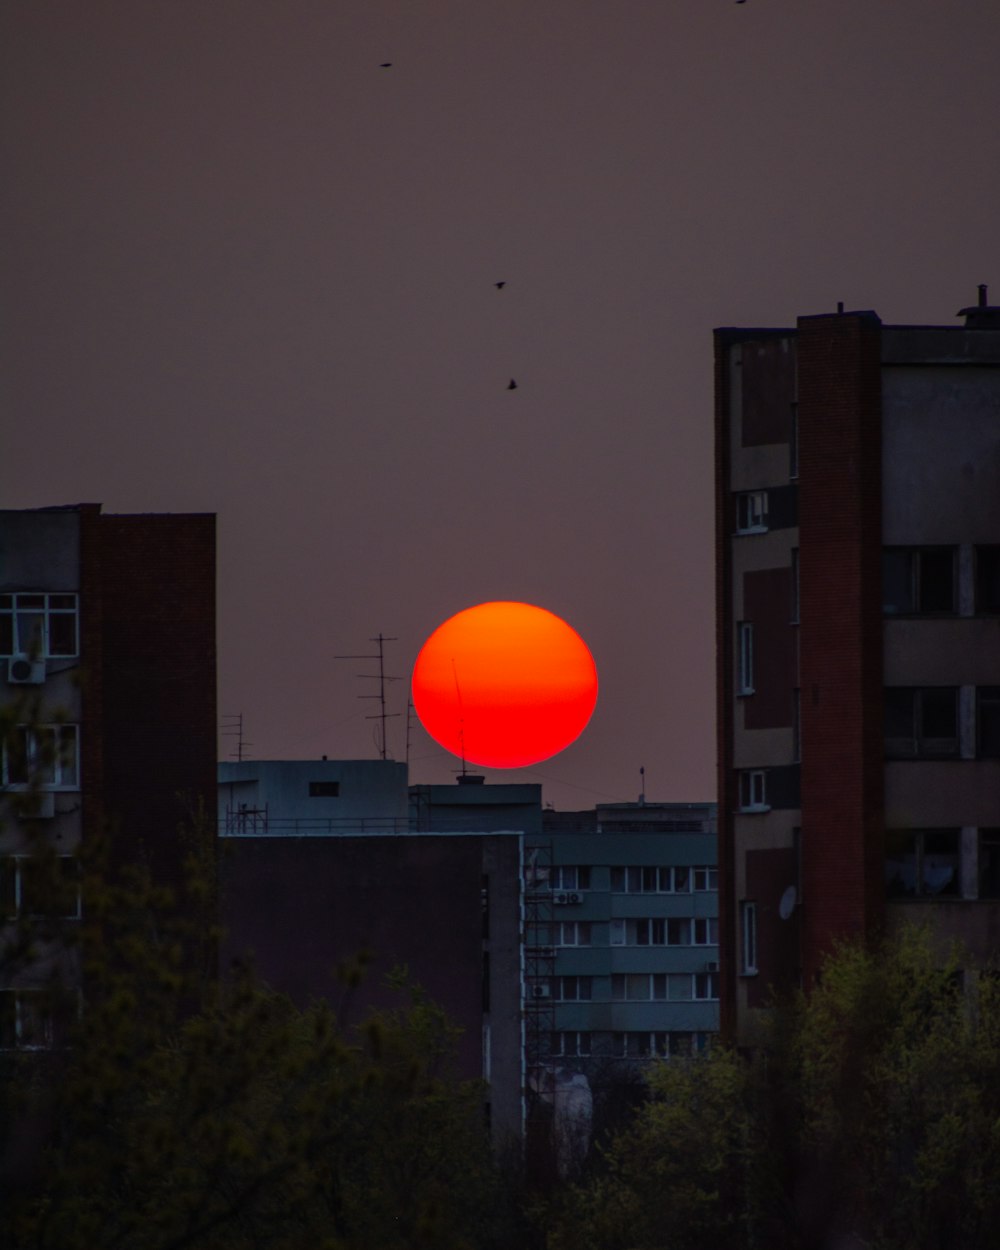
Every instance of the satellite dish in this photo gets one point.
(787, 904)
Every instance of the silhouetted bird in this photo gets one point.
(499, 285)
(512, 385)
(388, 64)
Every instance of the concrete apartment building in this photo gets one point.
(107, 667)
(319, 862)
(858, 609)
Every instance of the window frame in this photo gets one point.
(914, 570)
(13, 778)
(751, 512)
(748, 938)
(920, 893)
(753, 790)
(921, 745)
(744, 658)
(12, 612)
(15, 881)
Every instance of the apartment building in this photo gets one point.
(858, 603)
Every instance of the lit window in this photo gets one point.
(751, 512)
(39, 625)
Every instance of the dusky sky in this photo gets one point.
(246, 270)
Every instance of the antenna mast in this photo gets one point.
(382, 715)
(232, 727)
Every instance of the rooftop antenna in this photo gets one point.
(642, 785)
(461, 715)
(232, 727)
(382, 715)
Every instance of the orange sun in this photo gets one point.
(504, 685)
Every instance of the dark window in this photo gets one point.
(921, 721)
(988, 721)
(989, 863)
(988, 579)
(751, 511)
(918, 580)
(922, 863)
(324, 789)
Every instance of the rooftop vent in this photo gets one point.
(982, 315)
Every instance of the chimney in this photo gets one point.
(982, 315)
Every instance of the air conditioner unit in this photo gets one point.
(22, 670)
(712, 966)
(541, 991)
(565, 898)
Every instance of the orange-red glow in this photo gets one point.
(504, 685)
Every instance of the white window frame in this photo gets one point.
(705, 878)
(571, 1043)
(17, 608)
(563, 983)
(65, 774)
(709, 928)
(571, 933)
(570, 877)
(744, 634)
(748, 937)
(751, 512)
(753, 790)
(707, 982)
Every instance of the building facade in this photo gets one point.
(108, 681)
(858, 602)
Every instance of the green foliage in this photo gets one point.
(869, 1114)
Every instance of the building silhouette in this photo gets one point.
(858, 605)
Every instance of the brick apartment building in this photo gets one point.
(858, 609)
(107, 648)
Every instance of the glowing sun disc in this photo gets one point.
(504, 684)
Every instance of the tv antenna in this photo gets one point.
(232, 727)
(461, 716)
(382, 715)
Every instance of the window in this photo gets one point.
(918, 580)
(574, 989)
(744, 631)
(651, 880)
(680, 987)
(706, 985)
(44, 626)
(988, 722)
(705, 931)
(651, 931)
(35, 1019)
(921, 721)
(571, 933)
(753, 790)
(751, 512)
(748, 930)
(570, 877)
(324, 789)
(36, 886)
(797, 726)
(922, 863)
(988, 579)
(47, 754)
(705, 879)
(793, 442)
(989, 863)
(794, 620)
(572, 1044)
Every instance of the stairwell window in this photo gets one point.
(751, 512)
(921, 722)
(919, 581)
(753, 790)
(745, 668)
(748, 934)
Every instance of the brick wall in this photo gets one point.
(841, 629)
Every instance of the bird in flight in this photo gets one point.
(499, 285)
(512, 385)
(388, 64)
